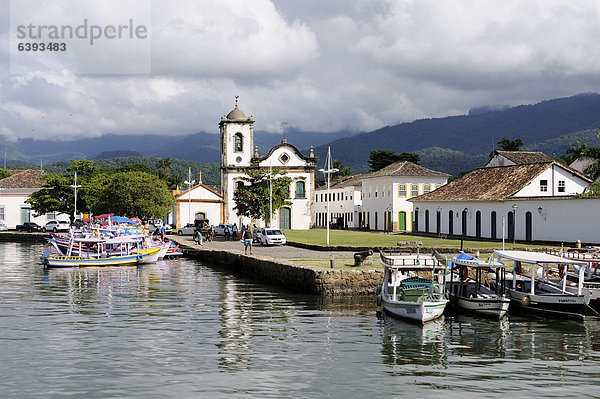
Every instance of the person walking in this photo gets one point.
(227, 232)
(247, 236)
(210, 233)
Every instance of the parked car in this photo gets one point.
(56, 225)
(3, 226)
(154, 224)
(29, 226)
(187, 230)
(272, 237)
(257, 235)
(220, 229)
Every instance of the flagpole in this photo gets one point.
(328, 173)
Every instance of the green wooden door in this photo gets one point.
(402, 221)
(285, 218)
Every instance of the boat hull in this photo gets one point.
(570, 306)
(488, 307)
(54, 260)
(421, 312)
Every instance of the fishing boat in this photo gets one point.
(536, 293)
(477, 296)
(413, 286)
(102, 252)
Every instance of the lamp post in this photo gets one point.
(75, 187)
(189, 183)
(327, 171)
(514, 226)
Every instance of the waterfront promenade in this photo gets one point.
(291, 267)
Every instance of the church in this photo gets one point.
(239, 154)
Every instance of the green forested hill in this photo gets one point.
(210, 171)
(459, 143)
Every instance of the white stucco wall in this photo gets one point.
(198, 199)
(230, 130)
(553, 176)
(389, 200)
(346, 206)
(552, 219)
(13, 200)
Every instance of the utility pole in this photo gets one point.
(75, 187)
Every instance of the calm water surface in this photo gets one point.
(183, 329)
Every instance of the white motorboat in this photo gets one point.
(413, 286)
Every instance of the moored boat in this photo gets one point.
(413, 286)
(128, 251)
(475, 296)
(535, 293)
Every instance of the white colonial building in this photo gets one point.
(238, 154)
(386, 194)
(344, 200)
(378, 200)
(198, 202)
(518, 200)
(14, 191)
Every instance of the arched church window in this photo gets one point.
(239, 144)
(300, 189)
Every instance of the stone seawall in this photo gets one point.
(306, 279)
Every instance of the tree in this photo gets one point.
(575, 151)
(507, 144)
(252, 199)
(593, 170)
(4, 173)
(57, 195)
(380, 159)
(133, 194)
(164, 167)
(342, 170)
(592, 189)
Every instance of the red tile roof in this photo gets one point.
(23, 179)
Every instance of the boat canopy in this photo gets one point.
(536, 257)
(466, 260)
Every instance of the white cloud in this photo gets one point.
(320, 66)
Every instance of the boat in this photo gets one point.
(477, 296)
(536, 293)
(102, 252)
(413, 286)
(591, 276)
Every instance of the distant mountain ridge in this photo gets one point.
(471, 137)
(451, 144)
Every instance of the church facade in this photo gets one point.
(238, 154)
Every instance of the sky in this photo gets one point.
(314, 65)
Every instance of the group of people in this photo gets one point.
(245, 235)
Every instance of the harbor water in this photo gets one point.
(184, 329)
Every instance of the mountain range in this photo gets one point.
(451, 144)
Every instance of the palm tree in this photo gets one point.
(342, 170)
(165, 164)
(510, 145)
(593, 170)
(575, 151)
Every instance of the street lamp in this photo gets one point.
(189, 183)
(327, 171)
(75, 187)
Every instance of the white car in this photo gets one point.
(272, 237)
(3, 226)
(56, 225)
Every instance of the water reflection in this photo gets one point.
(410, 343)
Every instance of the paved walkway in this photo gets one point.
(276, 251)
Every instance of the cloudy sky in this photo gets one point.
(317, 65)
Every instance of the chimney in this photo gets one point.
(199, 177)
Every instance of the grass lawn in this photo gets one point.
(372, 239)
